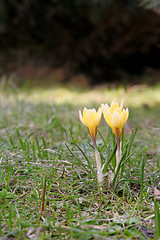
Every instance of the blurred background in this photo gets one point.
(85, 42)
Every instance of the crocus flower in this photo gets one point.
(115, 116)
(91, 119)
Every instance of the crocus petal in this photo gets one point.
(116, 120)
(90, 117)
(108, 116)
(113, 107)
(98, 117)
(84, 111)
(117, 124)
(121, 106)
(115, 116)
(93, 131)
(118, 110)
(124, 116)
(117, 132)
(104, 106)
(82, 119)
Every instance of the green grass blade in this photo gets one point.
(121, 163)
(10, 216)
(157, 219)
(142, 179)
(78, 161)
(38, 146)
(102, 137)
(0, 225)
(131, 139)
(12, 143)
(20, 140)
(28, 136)
(45, 147)
(88, 161)
(106, 164)
(122, 140)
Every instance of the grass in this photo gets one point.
(42, 138)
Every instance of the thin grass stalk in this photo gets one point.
(12, 143)
(88, 161)
(133, 134)
(80, 162)
(10, 216)
(157, 218)
(142, 180)
(122, 150)
(0, 225)
(43, 199)
(60, 232)
(120, 165)
(158, 162)
(53, 218)
(98, 162)
(106, 164)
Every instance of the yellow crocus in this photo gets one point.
(115, 116)
(91, 119)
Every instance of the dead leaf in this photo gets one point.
(156, 193)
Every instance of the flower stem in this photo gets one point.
(113, 177)
(98, 162)
(118, 153)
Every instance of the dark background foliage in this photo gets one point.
(101, 38)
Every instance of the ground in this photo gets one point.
(42, 138)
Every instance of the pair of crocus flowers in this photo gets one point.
(114, 115)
